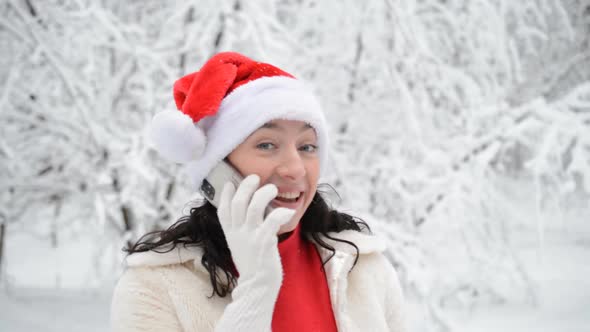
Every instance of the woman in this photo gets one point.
(238, 267)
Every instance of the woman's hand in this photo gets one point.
(252, 240)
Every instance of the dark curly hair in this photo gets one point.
(201, 228)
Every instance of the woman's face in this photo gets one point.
(284, 153)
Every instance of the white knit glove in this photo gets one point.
(252, 240)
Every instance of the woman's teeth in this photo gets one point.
(288, 196)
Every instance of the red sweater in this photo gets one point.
(304, 299)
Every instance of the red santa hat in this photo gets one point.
(223, 103)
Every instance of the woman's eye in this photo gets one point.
(308, 148)
(265, 146)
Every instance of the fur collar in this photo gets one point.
(366, 244)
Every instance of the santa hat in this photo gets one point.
(223, 103)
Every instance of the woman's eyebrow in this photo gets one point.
(272, 125)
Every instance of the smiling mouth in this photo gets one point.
(289, 198)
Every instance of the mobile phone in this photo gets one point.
(221, 174)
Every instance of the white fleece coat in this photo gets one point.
(172, 291)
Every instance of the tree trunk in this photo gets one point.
(2, 231)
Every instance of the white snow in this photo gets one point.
(558, 272)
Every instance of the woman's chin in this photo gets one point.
(290, 226)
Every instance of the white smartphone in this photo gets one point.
(221, 174)
(213, 184)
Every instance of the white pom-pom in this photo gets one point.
(176, 137)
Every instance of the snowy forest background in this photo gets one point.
(460, 130)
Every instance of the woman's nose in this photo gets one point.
(291, 165)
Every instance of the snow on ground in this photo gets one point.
(559, 271)
(554, 248)
(561, 276)
(24, 310)
(556, 260)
